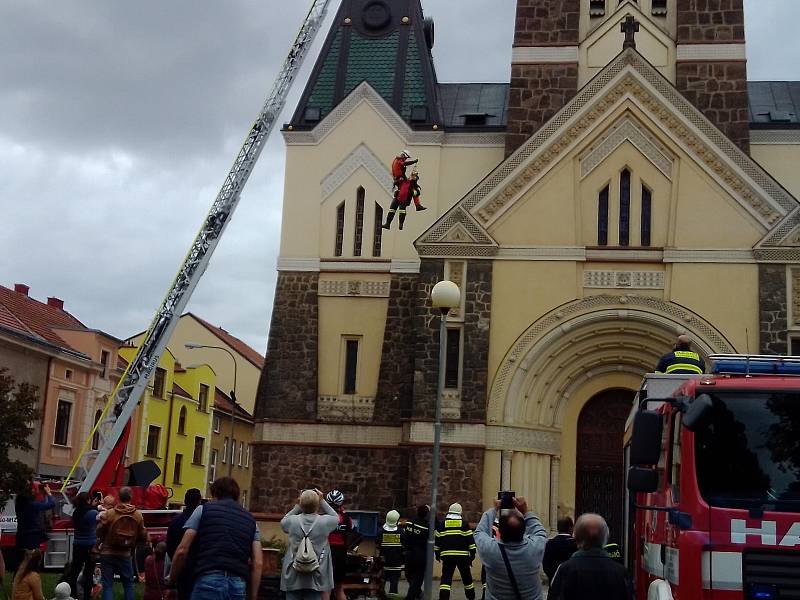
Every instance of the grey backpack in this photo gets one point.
(305, 557)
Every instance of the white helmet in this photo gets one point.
(455, 509)
(405, 154)
(392, 517)
(335, 498)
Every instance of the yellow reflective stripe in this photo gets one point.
(686, 354)
(392, 568)
(452, 523)
(444, 586)
(684, 367)
(471, 586)
(473, 547)
(457, 532)
(454, 553)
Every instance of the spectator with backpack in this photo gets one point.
(120, 529)
(307, 569)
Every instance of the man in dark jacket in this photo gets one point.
(560, 548)
(191, 501)
(415, 548)
(30, 521)
(226, 556)
(591, 573)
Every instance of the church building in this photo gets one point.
(628, 185)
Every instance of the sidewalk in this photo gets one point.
(457, 592)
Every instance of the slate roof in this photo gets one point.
(462, 102)
(232, 341)
(774, 104)
(23, 315)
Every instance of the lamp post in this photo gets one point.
(445, 296)
(193, 346)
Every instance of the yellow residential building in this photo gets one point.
(173, 423)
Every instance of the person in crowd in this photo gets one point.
(415, 547)
(191, 500)
(225, 545)
(682, 360)
(155, 586)
(303, 524)
(390, 547)
(30, 520)
(107, 503)
(339, 540)
(614, 550)
(120, 529)
(591, 573)
(496, 533)
(560, 548)
(27, 582)
(84, 520)
(512, 562)
(63, 592)
(455, 547)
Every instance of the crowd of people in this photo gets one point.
(213, 551)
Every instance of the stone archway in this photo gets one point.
(599, 472)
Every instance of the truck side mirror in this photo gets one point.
(697, 413)
(642, 479)
(646, 438)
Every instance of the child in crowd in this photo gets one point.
(108, 503)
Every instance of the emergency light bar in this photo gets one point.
(751, 364)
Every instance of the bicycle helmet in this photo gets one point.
(334, 498)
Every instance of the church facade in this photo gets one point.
(604, 202)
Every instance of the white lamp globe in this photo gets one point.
(446, 295)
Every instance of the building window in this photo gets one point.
(378, 237)
(63, 414)
(794, 345)
(232, 457)
(104, 357)
(203, 398)
(217, 423)
(182, 421)
(597, 8)
(452, 358)
(359, 237)
(625, 208)
(647, 210)
(197, 457)
(602, 217)
(350, 366)
(96, 436)
(158, 382)
(153, 435)
(212, 466)
(659, 8)
(247, 457)
(225, 451)
(176, 472)
(339, 230)
(244, 498)
(68, 374)
(241, 453)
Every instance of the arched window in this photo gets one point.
(182, 421)
(339, 230)
(625, 208)
(647, 209)
(359, 237)
(602, 217)
(378, 237)
(96, 436)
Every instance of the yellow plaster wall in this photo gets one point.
(781, 161)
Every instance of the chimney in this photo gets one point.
(544, 65)
(21, 288)
(55, 303)
(712, 65)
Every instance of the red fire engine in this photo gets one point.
(714, 482)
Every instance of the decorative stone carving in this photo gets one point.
(795, 297)
(451, 404)
(627, 130)
(345, 409)
(455, 271)
(365, 289)
(360, 157)
(645, 280)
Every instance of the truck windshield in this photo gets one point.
(748, 455)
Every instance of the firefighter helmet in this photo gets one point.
(335, 498)
(455, 509)
(392, 517)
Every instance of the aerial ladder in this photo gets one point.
(104, 467)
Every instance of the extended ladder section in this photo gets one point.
(117, 413)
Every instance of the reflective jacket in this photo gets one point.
(391, 548)
(454, 538)
(681, 362)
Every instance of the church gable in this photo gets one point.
(631, 81)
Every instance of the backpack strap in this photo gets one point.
(511, 579)
(307, 533)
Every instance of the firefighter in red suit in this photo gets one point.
(408, 191)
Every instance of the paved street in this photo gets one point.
(457, 592)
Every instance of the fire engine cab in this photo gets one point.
(713, 500)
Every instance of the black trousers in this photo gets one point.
(82, 560)
(415, 573)
(449, 565)
(393, 578)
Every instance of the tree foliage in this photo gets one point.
(18, 413)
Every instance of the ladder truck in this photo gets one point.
(103, 471)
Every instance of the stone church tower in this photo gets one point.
(599, 205)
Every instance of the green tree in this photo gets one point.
(18, 413)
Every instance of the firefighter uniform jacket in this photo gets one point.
(391, 549)
(454, 539)
(681, 362)
(415, 540)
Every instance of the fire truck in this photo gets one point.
(105, 470)
(713, 501)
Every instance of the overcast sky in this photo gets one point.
(119, 121)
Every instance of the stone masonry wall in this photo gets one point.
(396, 377)
(772, 309)
(717, 88)
(288, 385)
(426, 326)
(460, 478)
(547, 22)
(371, 478)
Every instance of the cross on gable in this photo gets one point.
(630, 26)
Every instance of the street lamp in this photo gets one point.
(445, 296)
(193, 346)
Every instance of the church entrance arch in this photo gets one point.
(600, 475)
